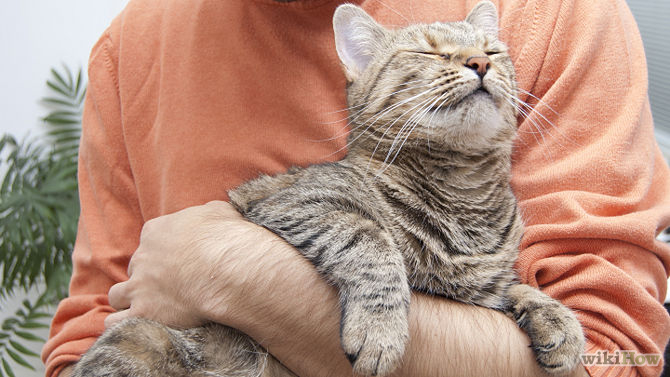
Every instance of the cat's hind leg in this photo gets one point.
(139, 348)
(231, 353)
(142, 348)
(555, 333)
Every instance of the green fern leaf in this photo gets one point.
(20, 348)
(34, 325)
(18, 359)
(39, 207)
(7, 368)
(57, 88)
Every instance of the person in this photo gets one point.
(188, 99)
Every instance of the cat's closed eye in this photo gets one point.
(435, 54)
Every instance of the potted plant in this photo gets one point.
(39, 209)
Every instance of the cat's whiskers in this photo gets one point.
(393, 10)
(534, 110)
(343, 110)
(370, 102)
(376, 118)
(360, 113)
(429, 124)
(394, 93)
(527, 111)
(408, 123)
(392, 123)
(534, 125)
(418, 115)
(430, 121)
(540, 122)
(353, 117)
(379, 99)
(446, 96)
(385, 111)
(539, 100)
(422, 113)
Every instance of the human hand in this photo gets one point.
(187, 263)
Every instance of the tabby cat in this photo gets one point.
(422, 200)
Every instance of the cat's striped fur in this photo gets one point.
(422, 200)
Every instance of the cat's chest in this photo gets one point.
(450, 238)
(447, 219)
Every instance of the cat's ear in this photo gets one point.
(357, 38)
(484, 16)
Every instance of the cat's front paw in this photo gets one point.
(374, 342)
(555, 333)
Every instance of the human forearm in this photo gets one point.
(454, 339)
(300, 327)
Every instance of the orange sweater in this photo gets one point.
(189, 98)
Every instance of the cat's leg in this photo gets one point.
(359, 257)
(555, 334)
(261, 188)
(374, 325)
(374, 295)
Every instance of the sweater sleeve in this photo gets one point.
(110, 220)
(593, 187)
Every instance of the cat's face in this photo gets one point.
(449, 84)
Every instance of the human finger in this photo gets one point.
(223, 209)
(118, 296)
(117, 317)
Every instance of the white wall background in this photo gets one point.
(36, 35)
(652, 18)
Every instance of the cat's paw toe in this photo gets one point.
(374, 357)
(559, 356)
(556, 338)
(374, 348)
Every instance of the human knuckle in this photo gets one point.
(134, 261)
(113, 293)
(216, 204)
(149, 228)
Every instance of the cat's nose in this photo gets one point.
(479, 64)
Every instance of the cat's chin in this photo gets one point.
(474, 122)
(479, 114)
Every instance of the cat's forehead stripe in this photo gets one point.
(444, 37)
